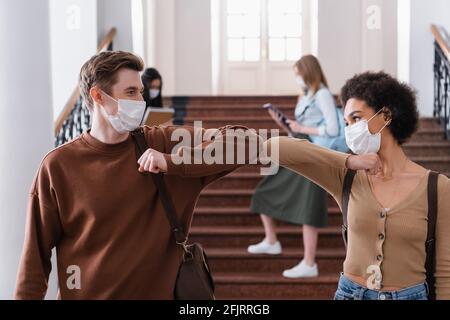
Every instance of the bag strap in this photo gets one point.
(430, 246)
(158, 179)
(346, 190)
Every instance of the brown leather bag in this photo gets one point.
(430, 245)
(194, 280)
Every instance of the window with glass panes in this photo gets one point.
(253, 26)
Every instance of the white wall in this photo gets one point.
(137, 27)
(193, 58)
(116, 13)
(25, 122)
(164, 47)
(73, 25)
(182, 50)
(149, 24)
(390, 36)
(423, 14)
(404, 40)
(347, 46)
(339, 47)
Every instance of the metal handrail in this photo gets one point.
(441, 110)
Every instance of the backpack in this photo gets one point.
(338, 143)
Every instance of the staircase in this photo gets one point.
(225, 226)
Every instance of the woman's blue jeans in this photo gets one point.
(349, 290)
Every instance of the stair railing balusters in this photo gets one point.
(441, 68)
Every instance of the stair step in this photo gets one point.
(428, 134)
(241, 216)
(233, 197)
(240, 100)
(223, 260)
(424, 149)
(428, 122)
(241, 180)
(269, 286)
(211, 111)
(264, 122)
(242, 237)
(236, 107)
(437, 163)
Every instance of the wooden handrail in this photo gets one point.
(107, 40)
(104, 44)
(442, 39)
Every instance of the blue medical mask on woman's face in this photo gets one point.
(300, 82)
(153, 93)
(360, 140)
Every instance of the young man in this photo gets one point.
(91, 201)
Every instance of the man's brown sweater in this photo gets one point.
(106, 221)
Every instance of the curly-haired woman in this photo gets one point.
(388, 203)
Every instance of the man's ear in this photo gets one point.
(96, 96)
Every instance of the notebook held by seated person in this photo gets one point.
(157, 116)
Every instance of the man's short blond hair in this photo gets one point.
(101, 70)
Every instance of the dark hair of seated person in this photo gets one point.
(379, 90)
(149, 75)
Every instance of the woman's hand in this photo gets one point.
(296, 127)
(274, 116)
(278, 120)
(369, 162)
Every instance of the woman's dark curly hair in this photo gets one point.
(378, 90)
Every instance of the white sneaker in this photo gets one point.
(302, 270)
(264, 247)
